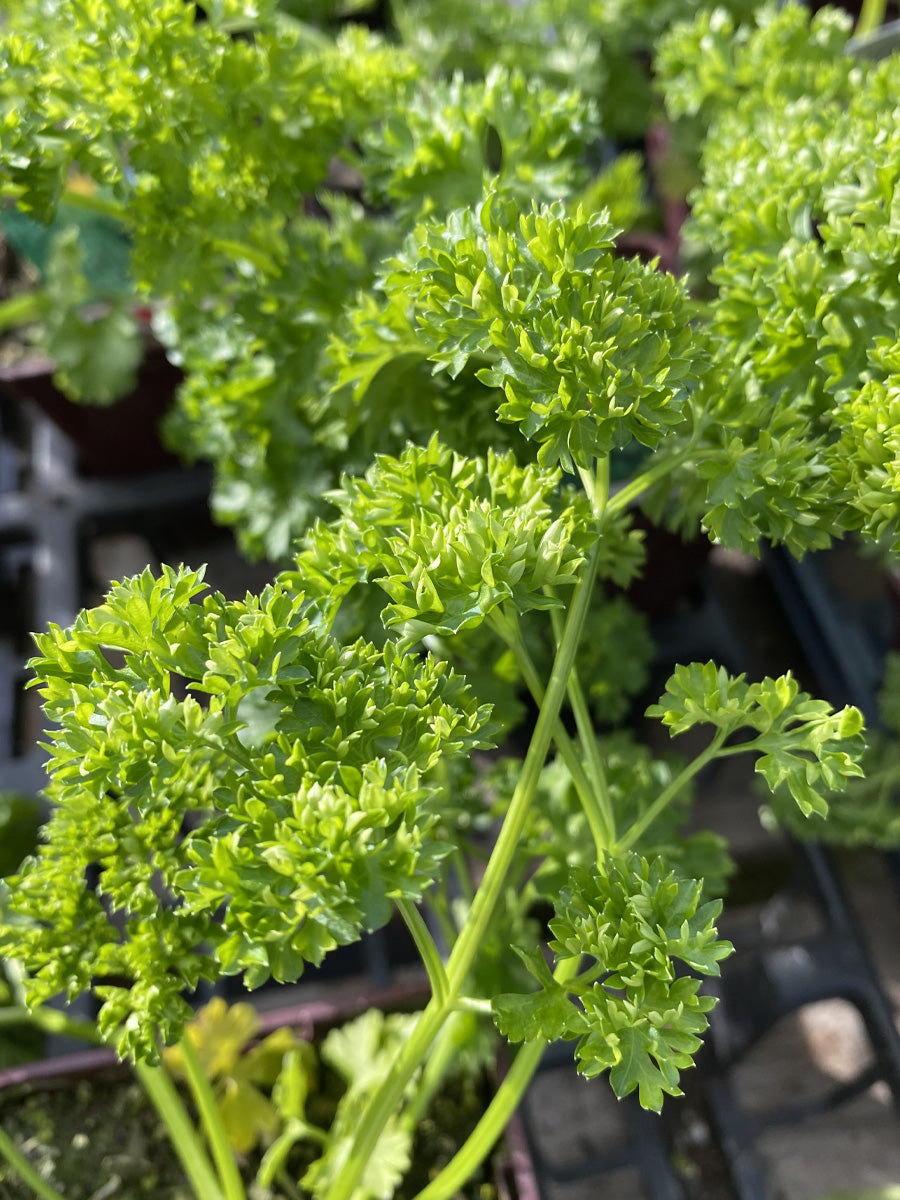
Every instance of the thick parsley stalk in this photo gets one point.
(387, 1098)
(508, 839)
(217, 1135)
(593, 798)
(504, 1102)
(871, 15)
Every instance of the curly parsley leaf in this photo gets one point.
(281, 817)
(590, 350)
(802, 743)
(449, 539)
(865, 813)
(632, 1010)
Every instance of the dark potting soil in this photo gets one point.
(100, 1139)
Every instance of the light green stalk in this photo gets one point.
(389, 1095)
(187, 1145)
(25, 1170)
(216, 1134)
(871, 17)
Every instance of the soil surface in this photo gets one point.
(101, 1140)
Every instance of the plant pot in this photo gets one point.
(117, 440)
(94, 1079)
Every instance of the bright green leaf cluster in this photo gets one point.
(450, 539)
(866, 459)
(282, 816)
(450, 140)
(866, 812)
(605, 46)
(799, 220)
(591, 350)
(802, 743)
(709, 63)
(634, 1012)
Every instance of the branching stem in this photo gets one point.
(421, 935)
(388, 1096)
(668, 794)
(496, 1116)
(509, 629)
(662, 466)
(599, 808)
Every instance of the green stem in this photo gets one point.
(387, 1098)
(440, 907)
(601, 489)
(713, 750)
(496, 1116)
(187, 1145)
(216, 1134)
(489, 1129)
(442, 1055)
(661, 466)
(25, 1170)
(871, 17)
(508, 628)
(599, 809)
(596, 485)
(494, 879)
(474, 1004)
(463, 877)
(50, 1020)
(428, 951)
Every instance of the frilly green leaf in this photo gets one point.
(450, 539)
(267, 836)
(802, 743)
(632, 1012)
(591, 350)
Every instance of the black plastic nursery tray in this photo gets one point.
(59, 534)
(753, 1100)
